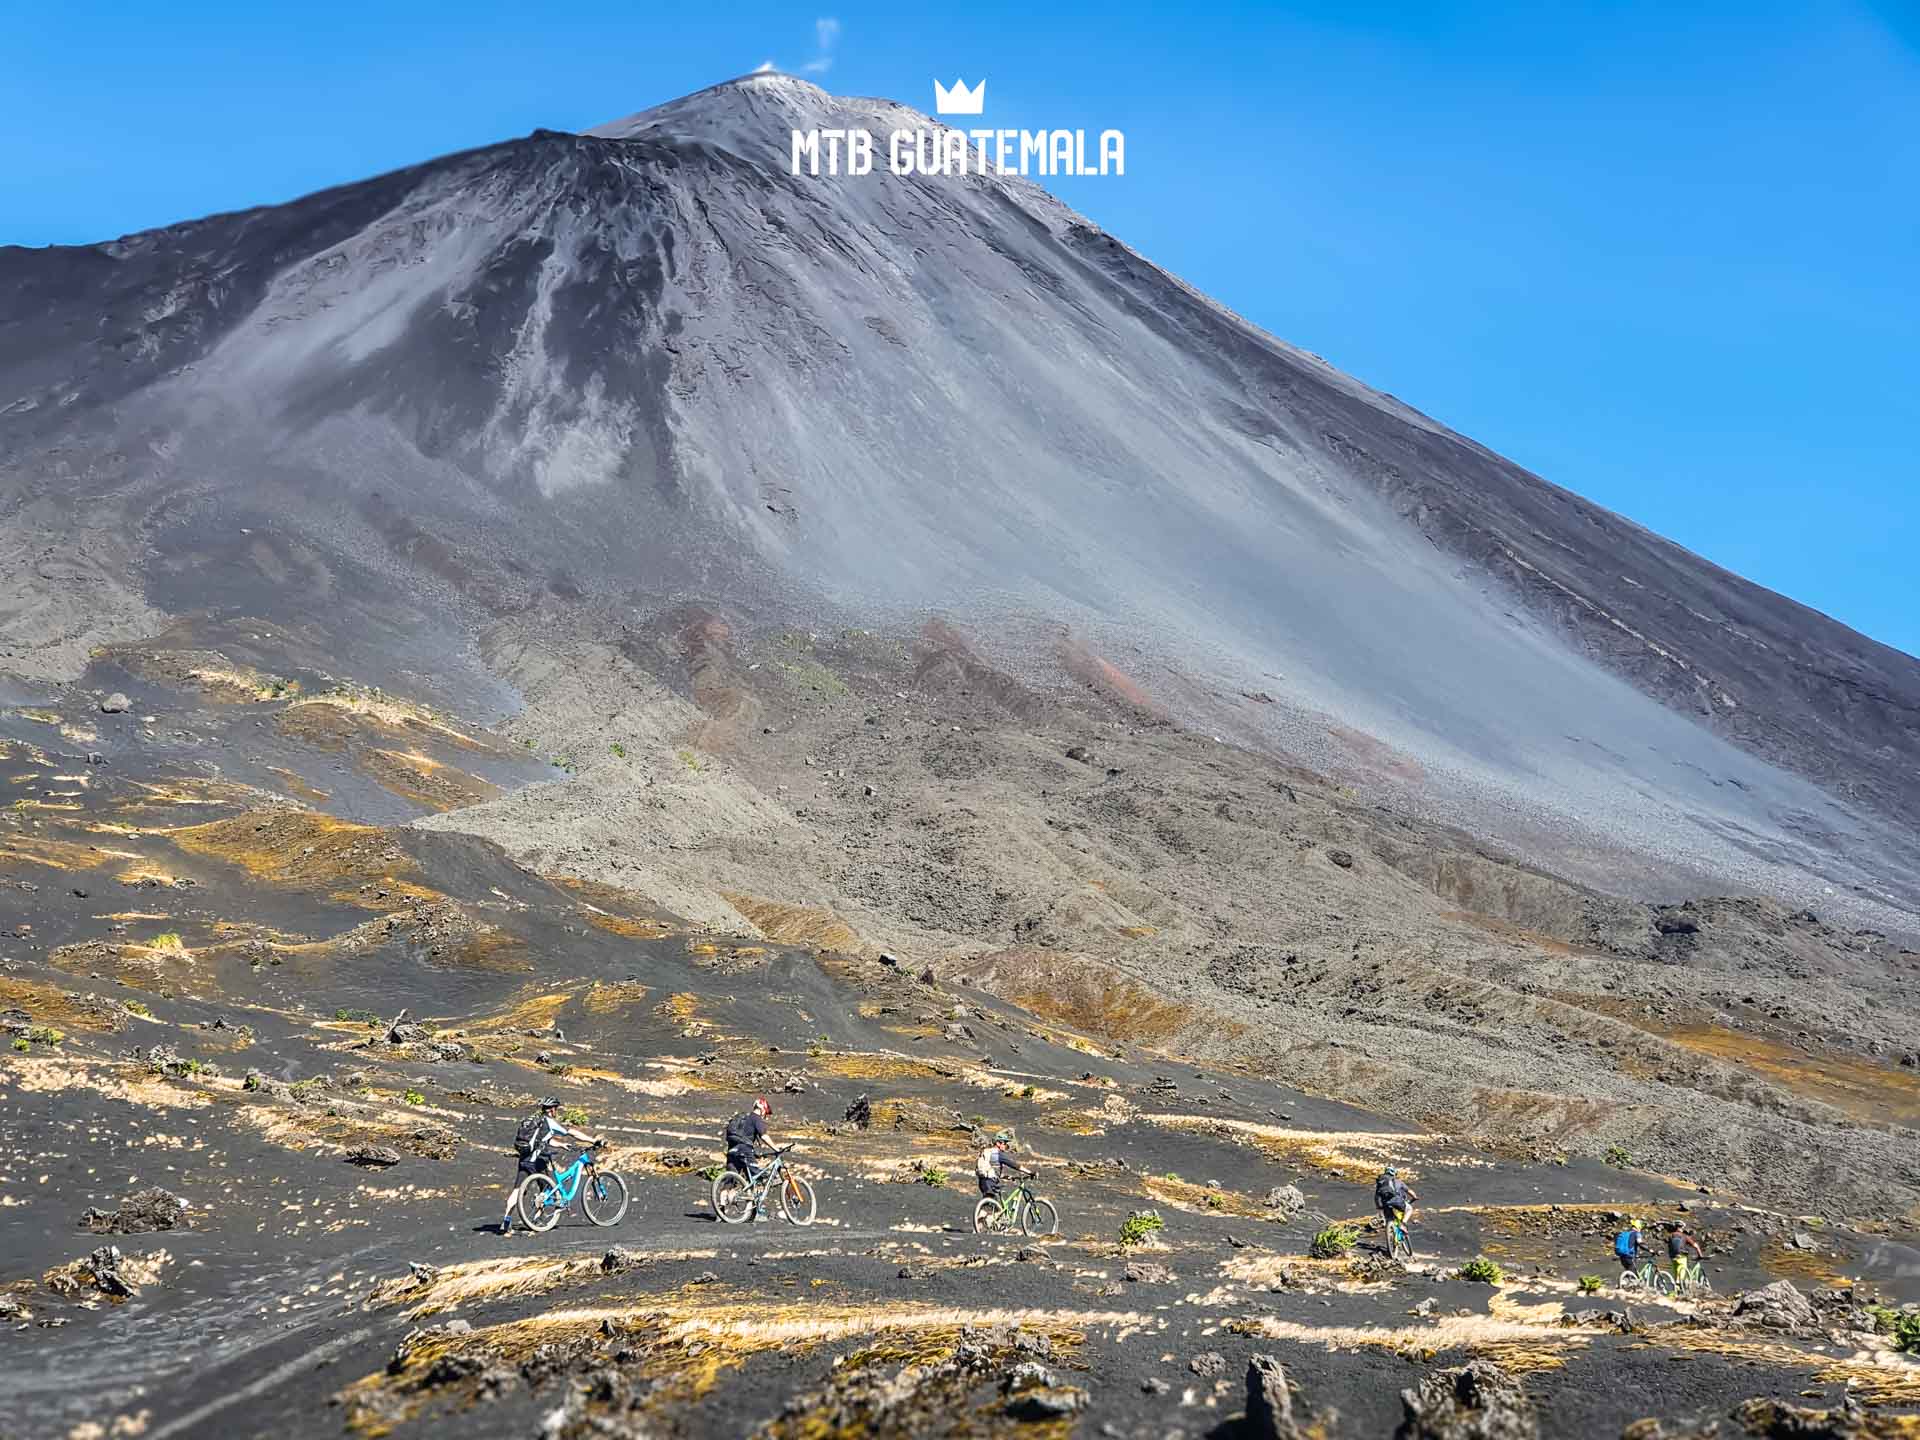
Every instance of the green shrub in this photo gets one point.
(690, 760)
(1027, 1092)
(45, 1035)
(1482, 1270)
(1617, 1157)
(414, 1097)
(360, 1017)
(1906, 1330)
(1138, 1226)
(138, 1007)
(1333, 1242)
(1591, 1284)
(1214, 1202)
(21, 1044)
(573, 1115)
(619, 750)
(711, 1173)
(933, 1175)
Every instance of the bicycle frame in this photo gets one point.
(567, 1182)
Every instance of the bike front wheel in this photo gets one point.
(604, 1198)
(797, 1200)
(539, 1203)
(1039, 1218)
(732, 1197)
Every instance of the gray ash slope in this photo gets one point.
(646, 363)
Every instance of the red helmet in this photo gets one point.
(763, 1105)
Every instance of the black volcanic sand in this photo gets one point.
(283, 1306)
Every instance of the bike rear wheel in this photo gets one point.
(986, 1215)
(1398, 1245)
(1039, 1218)
(797, 1200)
(732, 1197)
(604, 1198)
(1629, 1281)
(539, 1203)
(1662, 1283)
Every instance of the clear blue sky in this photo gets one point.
(1666, 255)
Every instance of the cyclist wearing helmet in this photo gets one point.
(746, 1140)
(1683, 1250)
(1391, 1197)
(1629, 1245)
(994, 1162)
(533, 1143)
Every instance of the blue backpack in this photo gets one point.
(1623, 1245)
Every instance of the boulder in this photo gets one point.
(1208, 1365)
(1286, 1201)
(146, 1211)
(1146, 1272)
(374, 1157)
(860, 1113)
(1476, 1401)
(1269, 1406)
(1778, 1306)
(115, 704)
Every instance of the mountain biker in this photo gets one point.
(1682, 1250)
(1392, 1198)
(1628, 1245)
(533, 1143)
(994, 1162)
(746, 1140)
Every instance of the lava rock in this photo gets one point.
(1778, 1306)
(146, 1211)
(115, 704)
(1286, 1201)
(1210, 1364)
(1269, 1405)
(1477, 1401)
(377, 1157)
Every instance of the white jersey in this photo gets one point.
(988, 1165)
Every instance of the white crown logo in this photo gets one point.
(959, 100)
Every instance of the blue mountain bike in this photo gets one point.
(544, 1198)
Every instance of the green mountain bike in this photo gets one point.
(1017, 1207)
(1649, 1277)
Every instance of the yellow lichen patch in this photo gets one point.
(1807, 1267)
(874, 1065)
(477, 1280)
(131, 1083)
(18, 849)
(657, 1089)
(425, 781)
(1346, 1154)
(1415, 1342)
(298, 848)
(532, 1012)
(492, 950)
(608, 997)
(625, 926)
(1878, 1379)
(794, 924)
(1880, 1094)
(333, 713)
(1198, 1199)
(50, 1005)
(1086, 996)
(1523, 1357)
(188, 791)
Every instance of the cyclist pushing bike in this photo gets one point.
(994, 1164)
(533, 1144)
(747, 1139)
(1689, 1260)
(1393, 1199)
(1630, 1246)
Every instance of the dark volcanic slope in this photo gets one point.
(647, 363)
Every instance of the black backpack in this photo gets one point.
(1386, 1191)
(528, 1141)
